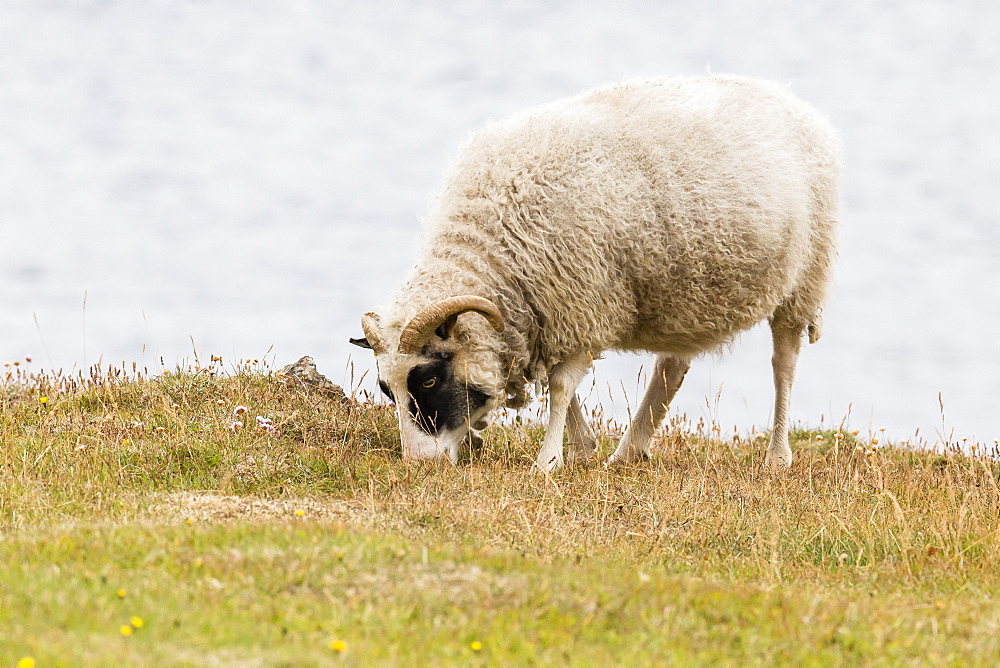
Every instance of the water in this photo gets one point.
(245, 179)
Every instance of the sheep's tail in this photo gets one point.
(815, 328)
(812, 324)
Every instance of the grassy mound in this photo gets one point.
(159, 520)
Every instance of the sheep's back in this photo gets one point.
(663, 215)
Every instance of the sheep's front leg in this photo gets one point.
(582, 442)
(667, 377)
(787, 342)
(563, 379)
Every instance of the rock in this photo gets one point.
(303, 375)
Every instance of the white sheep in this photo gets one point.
(665, 215)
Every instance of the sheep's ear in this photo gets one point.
(444, 329)
(361, 342)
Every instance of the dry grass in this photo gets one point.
(858, 554)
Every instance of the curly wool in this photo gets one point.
(664, 215)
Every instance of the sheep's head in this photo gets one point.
(441, 373)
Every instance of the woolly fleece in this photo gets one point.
(662, 215)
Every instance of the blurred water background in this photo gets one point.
(249, 177)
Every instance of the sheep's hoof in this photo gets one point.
(547, 466)
(778, 462)
(581, 450)
(633, 457)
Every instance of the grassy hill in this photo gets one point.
(139, 523)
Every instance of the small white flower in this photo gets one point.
(240, 410)
(235, 426)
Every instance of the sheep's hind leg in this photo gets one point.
(582, 443)
(787, 342)
(563, 379)
(667, 377)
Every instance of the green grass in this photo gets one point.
(251, 546)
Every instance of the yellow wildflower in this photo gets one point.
(136, 622)
(43, 400)
(125, 630)
(26, 662)
(338, 646)
(121, 593)
(476, 646)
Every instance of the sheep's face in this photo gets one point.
(442, 389)
(436, 404)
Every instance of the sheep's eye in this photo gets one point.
(429, 383)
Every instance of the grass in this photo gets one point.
(139, 525)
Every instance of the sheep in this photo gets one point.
(664, 215)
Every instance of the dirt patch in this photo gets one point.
(206, 506)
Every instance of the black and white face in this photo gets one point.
(437, 401)
(442, 385)
(436, 407)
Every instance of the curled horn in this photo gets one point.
(370, 326)
(418, 331)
